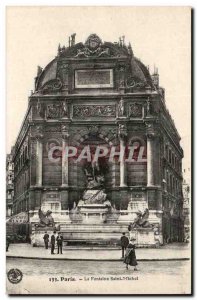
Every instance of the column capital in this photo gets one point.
(39, 137)
(150, 136)
(65, 130)
(122, 130)
(37, 133)
(151, 130)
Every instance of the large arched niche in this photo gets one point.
(80, 168)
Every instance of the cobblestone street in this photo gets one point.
(172, 272)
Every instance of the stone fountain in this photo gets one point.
(94, 206)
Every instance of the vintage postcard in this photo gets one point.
(98, 190)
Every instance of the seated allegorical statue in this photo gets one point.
(95, 192)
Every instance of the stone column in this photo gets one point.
(39, 154)
(153, 170)
(122, 138)
(65, 136)
(150, 161)
(39, 150)
(65, 168)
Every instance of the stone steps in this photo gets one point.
(103, 234)
(113, 228)
(100, 234)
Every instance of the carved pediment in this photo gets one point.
(94, 47)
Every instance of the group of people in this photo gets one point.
(128, 251)
(128, 247)
(55, 238)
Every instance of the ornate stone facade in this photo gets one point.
(100, 94)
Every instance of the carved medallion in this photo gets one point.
(135, 110)
(93, 42)
(93, 47)
(133, 82)
(93, 129)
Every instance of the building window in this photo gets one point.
(171, 184)
(168, 181)
(170, 157)
(166, 152)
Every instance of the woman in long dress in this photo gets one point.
(130, 257)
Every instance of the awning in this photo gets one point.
(21, 218)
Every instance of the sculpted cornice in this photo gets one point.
(91, 110)
(23, 132)
(175, 143)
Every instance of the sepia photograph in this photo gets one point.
(98, 150)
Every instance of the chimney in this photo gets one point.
(155, 77)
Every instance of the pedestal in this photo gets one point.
(93, 213)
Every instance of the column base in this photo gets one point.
(64, 185)
(123, 186)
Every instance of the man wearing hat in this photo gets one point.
(124, 241)
(59, 240)
(46, 239)
(53, 242)
(130, 257)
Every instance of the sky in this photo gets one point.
(159, 36)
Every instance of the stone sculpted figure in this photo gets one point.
(141, 221)
(94, 193)
(46, 220)
(121, 108)
(73, 39)
(148, 106)
(65, 109)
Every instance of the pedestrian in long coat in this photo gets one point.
(130, 257)
(53, 242)
(124, 241)
(59, 240)
(46, 240)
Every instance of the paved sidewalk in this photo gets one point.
(177, 251)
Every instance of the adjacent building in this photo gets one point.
(99, 93)
(186, 204)
(9, 185)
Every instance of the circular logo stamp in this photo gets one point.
(14, 275)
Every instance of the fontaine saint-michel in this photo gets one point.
(96, 99)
